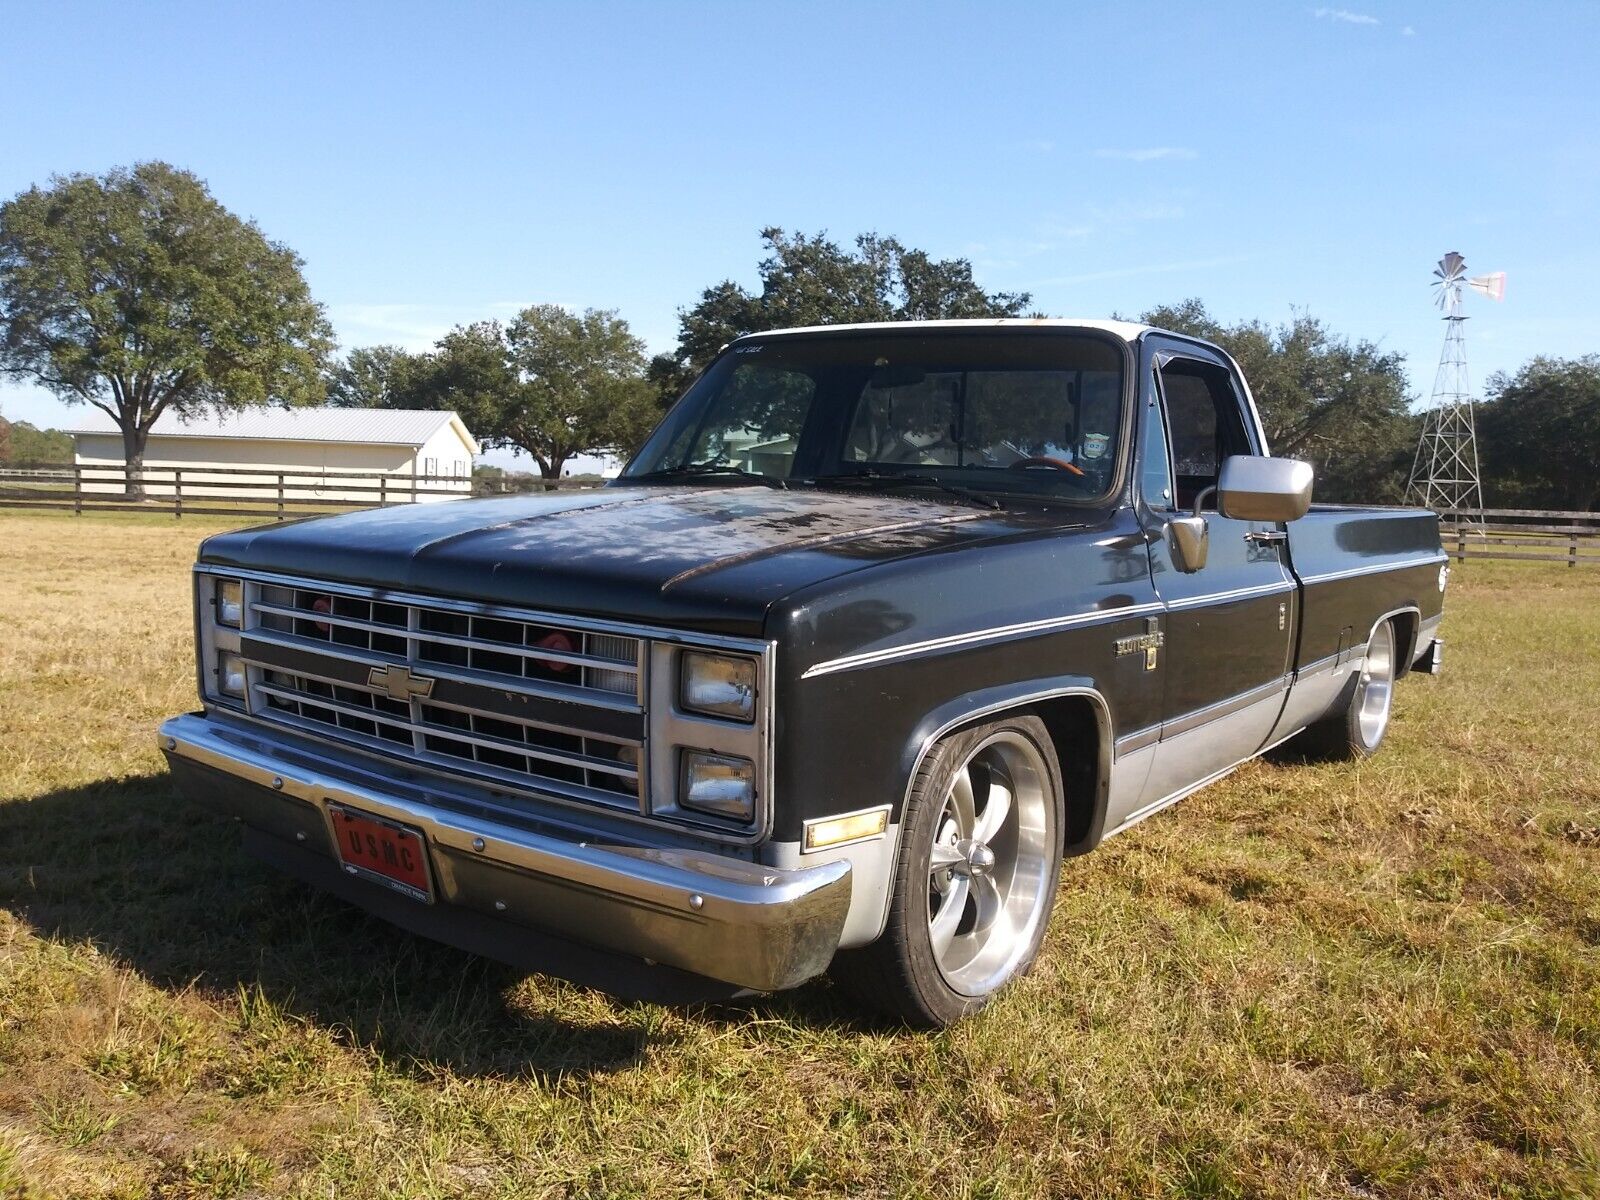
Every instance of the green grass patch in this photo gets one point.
(1379, 979)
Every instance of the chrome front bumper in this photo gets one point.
(721, 918)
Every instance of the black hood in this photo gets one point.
(712, 559)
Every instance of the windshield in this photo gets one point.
(1033, 412)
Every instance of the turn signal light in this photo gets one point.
(852, 827)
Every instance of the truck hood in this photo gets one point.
(711, 559)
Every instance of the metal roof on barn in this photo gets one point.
(358, 426)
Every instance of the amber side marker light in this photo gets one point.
(841, 831)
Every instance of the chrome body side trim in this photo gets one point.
(1218, 743)
(978, 637)
(1318, 666)
(1223, 708)
(1149, 810)
(1266, 589)
(1137, 740)
(1314, 694)
(744, 923)
(1431, 560)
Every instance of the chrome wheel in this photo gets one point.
(991, 864)
(1375, 688)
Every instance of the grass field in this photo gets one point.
(1374, 980)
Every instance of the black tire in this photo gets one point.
(901, 974)
(1356, 727)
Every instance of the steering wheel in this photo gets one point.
(1044, 460)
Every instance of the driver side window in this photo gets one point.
(1203, 423)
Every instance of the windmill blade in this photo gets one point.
(1451, 267)
(1492, 285)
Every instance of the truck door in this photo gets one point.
(1228, 627)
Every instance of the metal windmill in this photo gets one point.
(1444, 473)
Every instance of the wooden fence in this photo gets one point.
(1532, 535)
(1505, 533)
(229, 491)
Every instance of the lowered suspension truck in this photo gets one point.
(881, 625)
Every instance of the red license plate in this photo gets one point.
(382, 851)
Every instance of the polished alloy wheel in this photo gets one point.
(1375, 689)
(991, 863)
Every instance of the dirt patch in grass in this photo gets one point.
(1370, 980)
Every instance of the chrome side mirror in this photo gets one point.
(1191, 537)
(1253, 488)
(1192, 540)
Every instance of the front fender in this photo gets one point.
(991, 702)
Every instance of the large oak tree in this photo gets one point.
(136, 292)
(1539, 435)
(1340, 405)
(812, 280)
(552, 383)
(371, 377)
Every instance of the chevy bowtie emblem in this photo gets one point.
(400, 683)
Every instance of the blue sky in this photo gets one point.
(436, 164)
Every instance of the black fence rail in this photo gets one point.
(233, 491)
(1527, 534)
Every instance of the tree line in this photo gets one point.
(138, 293)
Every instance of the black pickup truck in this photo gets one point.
(881, 625)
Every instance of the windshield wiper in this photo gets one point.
(897, 479)
(709, 470)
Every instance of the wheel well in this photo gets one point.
(1075, 729)
(1405, 636)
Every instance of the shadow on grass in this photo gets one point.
(164, 886)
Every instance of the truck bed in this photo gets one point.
(1357, 565)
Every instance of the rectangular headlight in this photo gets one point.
(718, 685)
(230, 675)
(718, 784)
(230, 603)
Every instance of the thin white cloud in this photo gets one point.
(1345, 16)
(1408, 32)
(1148, 153)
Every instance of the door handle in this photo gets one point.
(1266, 537)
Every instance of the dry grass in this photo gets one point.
(1380, 980)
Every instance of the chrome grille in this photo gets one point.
(523, 649)
(310, 650)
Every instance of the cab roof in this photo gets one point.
(1128, 331)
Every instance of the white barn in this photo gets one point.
(311, 448)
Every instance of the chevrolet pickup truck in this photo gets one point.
(881, 625)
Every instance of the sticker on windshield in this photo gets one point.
(1094, 444)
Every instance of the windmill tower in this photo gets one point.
(1444, 473)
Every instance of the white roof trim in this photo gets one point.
(1126, 330)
